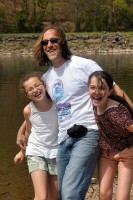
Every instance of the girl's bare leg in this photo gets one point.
(125, 180)
(40, 183)
(52, 187)
(106, 179)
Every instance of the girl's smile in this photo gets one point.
(34, 89)
(99, 92)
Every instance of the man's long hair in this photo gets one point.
(39, 53)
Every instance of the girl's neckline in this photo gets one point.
(109, 107)
(49, 107)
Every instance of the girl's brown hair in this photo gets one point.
(103, 75)
(31, 75)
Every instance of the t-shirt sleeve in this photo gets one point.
(93, 67)
(45, 76)
(90, 67)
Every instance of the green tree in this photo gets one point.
(121, 13)
(31, 15)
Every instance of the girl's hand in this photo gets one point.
(21, 141)
(19, 158)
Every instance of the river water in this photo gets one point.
(15, 182)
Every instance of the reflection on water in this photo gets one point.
(15, 183)
(121, 68)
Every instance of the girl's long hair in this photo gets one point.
(31, 75)
(109, 80)
(121, 100)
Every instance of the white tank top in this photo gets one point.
(44, 133)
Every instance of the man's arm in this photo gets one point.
(121, 93)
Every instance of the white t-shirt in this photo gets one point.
(67, 87)
(43, 140)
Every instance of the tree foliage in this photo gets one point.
(72, 15)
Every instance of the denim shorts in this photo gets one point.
(36, 163)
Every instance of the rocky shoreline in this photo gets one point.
(93, 192)
(78, 43)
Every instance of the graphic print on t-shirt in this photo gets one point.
(64, 109)
(58, 90)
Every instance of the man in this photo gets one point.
(78, 136)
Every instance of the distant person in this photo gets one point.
(114, 118)
(42, 128)
(78, 138)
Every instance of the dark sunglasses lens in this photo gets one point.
(45, 42)
(54, 40)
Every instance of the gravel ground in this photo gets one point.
(93, 192)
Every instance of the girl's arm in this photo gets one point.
(121, 93)
(129, 128)
(19, 157)
(24, 130)
(23, 136)
(21, 139)
(27, 113)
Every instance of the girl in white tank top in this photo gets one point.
(42, 135)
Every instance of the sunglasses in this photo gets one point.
(52, 40)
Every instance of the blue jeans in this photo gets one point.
(76, 162)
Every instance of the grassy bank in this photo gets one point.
(79, 43)
(127, 34)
